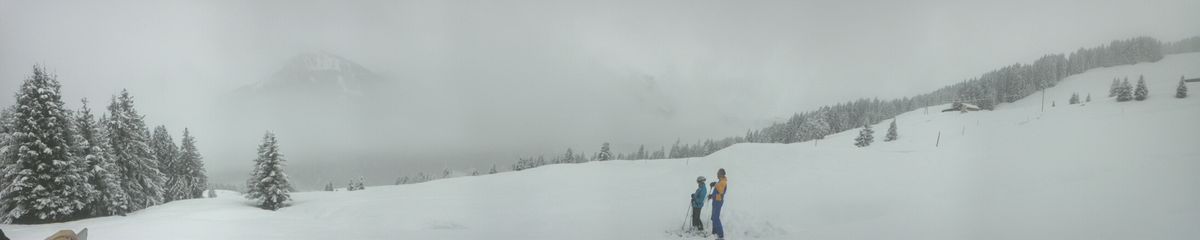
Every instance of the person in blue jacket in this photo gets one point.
(698, 199)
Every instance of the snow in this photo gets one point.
(1098, 170)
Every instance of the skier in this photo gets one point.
(698, 199)
(718, 197)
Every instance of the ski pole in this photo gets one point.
(683, 228)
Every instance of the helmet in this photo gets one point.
(701, 179)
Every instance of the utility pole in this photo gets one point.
(1043, 97)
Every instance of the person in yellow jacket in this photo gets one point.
(718, 197)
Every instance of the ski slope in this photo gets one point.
(1101, 170)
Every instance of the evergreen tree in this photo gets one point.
(493, 171)
(1124, 93)
(604, 154)
(7, 153)
(102, 171)
(129, 144)
(1114, 89)
(569, 156)
(1074, 99)
(1181, 91)
(46, 182)
(640, 154)
(357, 184)
(167, 154)
(1141, 93)
(212, 193)
(1089, 97)
(191, 179)
(268, 183)
(865, 136)
(815, 127)
(891, 135)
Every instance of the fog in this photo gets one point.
(468, 84)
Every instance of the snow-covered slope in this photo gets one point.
(1103, 170)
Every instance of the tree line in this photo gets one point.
(58, 164)
(1006, 84)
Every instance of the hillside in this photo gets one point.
(1101, 170)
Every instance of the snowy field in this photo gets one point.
(1102, 170)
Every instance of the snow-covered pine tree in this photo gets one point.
(1089, 97)
(45, 181)
(7, 154)
(1115, 88)
(865, 136)
(569, 157)
(361, 184)
(1124, 93)
(163, 147)
(640, 154)
(891, 135)
(815, 127)
(191, 179)
(356, 184)
(129, 144)
(604, 154)
(329, 187)
(268, 183)
(1141, 93)
(493, 171)
(1074, 99)
(1181, 91)
(102, 171)
(212, 193)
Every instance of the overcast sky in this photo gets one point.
(518, 78)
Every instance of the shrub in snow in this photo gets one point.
(1141, 93)
(865, 137)
(212, 193)
(268, 183)
(356, 185)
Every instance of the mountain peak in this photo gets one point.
(318, 73)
